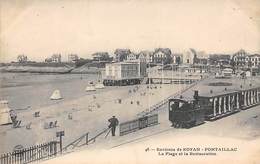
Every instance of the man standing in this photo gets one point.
(113, 123)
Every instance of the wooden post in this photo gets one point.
(224, 105)
(214, 107)
(60, 134)
(86, 138)
(60, 144)
(219, 104)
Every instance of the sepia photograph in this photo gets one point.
(129, 81)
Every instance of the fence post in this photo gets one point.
(55, 148)
(60, 134)
(87, 138)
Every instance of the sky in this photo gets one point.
(40, 28)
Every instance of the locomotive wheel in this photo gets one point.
(177, 125)
(188, 125)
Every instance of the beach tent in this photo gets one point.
(56, 95)
(4, 113)
(90, 88)
(99, 86)
(248, 74)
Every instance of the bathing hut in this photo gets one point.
(90, 87)
(99, 86)
(4, 113)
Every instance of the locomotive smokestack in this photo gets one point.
(196, 94)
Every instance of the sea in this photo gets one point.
(33, 90)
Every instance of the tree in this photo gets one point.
(22, 58)
(121, 54)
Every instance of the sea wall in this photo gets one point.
(36, 69)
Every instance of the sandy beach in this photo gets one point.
(241, 133)
(90, 110)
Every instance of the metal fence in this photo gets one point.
(134, 125)
(31, 154)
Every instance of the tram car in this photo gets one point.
(186, 111)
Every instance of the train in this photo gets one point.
(189, 111)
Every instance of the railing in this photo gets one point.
(134, 125)
(31, 154)
(85, 138)
(164, 101)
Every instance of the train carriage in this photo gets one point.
(249, 97)
(187, 111)
(220, 104)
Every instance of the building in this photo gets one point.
(146, 56)
(240, 58)
(55, 58)
(188, 57)
(122, 70)
(177, 58)
(101, 57)
(253, 60)
(219, 59)
(131, 57)
(162, 55)
(199, 57)
(73, 58)
(121, 54)
(193, 69)
(123, 73)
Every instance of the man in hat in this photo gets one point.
(113, 123)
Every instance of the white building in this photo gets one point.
(254, 60)
(72, 58)
(177, 58)
(146, 56)
(131, 57)
(240, 58)
(188, 57)
(122, 70)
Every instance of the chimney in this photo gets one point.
(181, 97)
(196, 94)
(211, 91)
(225, 89)
(241, 86)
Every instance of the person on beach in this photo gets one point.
(113, 123)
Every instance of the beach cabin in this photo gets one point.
(4, 113)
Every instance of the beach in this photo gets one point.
(90, 110)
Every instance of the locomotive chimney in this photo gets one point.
(196, 94)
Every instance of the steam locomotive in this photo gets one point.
(187, 111)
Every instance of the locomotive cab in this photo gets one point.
(185, 113)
